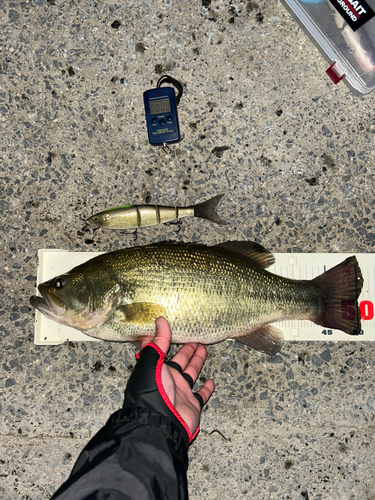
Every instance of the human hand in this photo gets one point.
(190, 357)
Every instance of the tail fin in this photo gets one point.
(206, 210)
(340, 288)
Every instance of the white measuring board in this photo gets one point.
(295, 266)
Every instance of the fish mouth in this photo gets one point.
(48, 305)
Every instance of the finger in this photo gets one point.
(206, 390)
(163, 334)
(196, 363)
(185, 354)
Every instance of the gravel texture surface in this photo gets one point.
(260, 122)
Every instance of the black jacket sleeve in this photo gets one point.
(141, 452)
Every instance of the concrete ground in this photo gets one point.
(262, 123)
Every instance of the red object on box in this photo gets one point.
(335, 74)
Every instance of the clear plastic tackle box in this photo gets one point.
(345, 31)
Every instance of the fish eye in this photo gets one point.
(59, 283)
(95, 219)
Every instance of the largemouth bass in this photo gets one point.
(135, 216)
(207, 294)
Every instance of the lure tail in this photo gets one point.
(207, 210)
(340, 288)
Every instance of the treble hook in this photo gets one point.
(134, 233)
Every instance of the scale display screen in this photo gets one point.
(160, 106)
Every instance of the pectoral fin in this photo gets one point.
(141, 313)
(266, 339)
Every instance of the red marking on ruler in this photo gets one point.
(366, 308)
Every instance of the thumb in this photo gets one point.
(163, 334)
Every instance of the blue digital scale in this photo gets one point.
(161, 113)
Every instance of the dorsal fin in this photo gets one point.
(249, 249)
